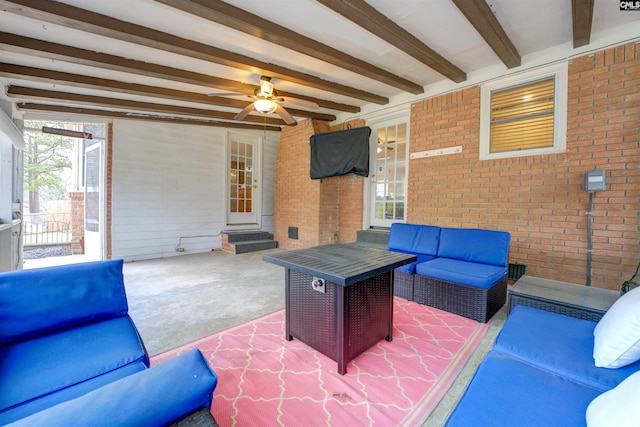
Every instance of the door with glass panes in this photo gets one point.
(388, 173)
(243, 166)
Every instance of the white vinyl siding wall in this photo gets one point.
(169, 182)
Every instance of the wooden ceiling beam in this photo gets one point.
(81, 19)
(369, 18)
(26, 93)
(49, 50)
(77, 80)
(480, 15)
(582, 18)
(248, 23)
(61, 109)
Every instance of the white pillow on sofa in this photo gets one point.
(617, 334)
(617, 407)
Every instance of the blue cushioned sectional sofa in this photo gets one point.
(71, 355)
(540, 372)
(459, 270)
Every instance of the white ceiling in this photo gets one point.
(541, 30)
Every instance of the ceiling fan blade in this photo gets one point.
(300, 102)
(244, 113)
(288, 118)
(225, 94)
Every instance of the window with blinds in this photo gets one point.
(524, 114)
(522, 117)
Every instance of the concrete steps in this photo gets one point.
(242, 242)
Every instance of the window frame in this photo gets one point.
(560, 74)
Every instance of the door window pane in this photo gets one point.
(241, 177)
(390, 174)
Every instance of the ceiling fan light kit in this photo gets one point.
(265, 106)
(266, 101)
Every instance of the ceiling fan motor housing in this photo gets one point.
(266, 89)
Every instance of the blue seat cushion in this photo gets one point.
(475, 245)
(463, 272)
(408, 268)
(508, 392)
(78, 355)
(154, 397)
(42, 403)
(43, 300)
(568, 351)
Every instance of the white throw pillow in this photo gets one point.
(617, 407)
(617, 334)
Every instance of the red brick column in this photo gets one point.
(324, 211)
(77, 222)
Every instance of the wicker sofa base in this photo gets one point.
(468, 301)
(403, 285)
(199, 418)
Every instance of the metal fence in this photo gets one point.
(38, 230)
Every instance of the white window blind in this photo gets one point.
(522, 117)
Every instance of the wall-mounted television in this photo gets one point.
(340, 153)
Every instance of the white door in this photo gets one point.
(388, 176)
(244, 180)
(93, 217)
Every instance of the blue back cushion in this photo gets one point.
(413, 238)
(401, 236)
(426, 241)
(475, 245)
(43, 300)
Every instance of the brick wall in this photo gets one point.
(350, 207)
(541, 199)
(297, 197)
(350, 197)
(324, 211)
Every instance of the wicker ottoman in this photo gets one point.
(573, 300)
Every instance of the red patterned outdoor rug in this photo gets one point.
(265, 380)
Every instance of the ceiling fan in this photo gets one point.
(267, 101)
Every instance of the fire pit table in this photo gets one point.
(339, 298)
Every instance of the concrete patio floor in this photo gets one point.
(176, 300)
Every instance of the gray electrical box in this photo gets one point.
(595, 181)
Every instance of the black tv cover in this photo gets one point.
(340, 153)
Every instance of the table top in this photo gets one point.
(342, 264)
(568, 293)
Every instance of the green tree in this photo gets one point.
(46, 159)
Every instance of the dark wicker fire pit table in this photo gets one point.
(339, 298)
